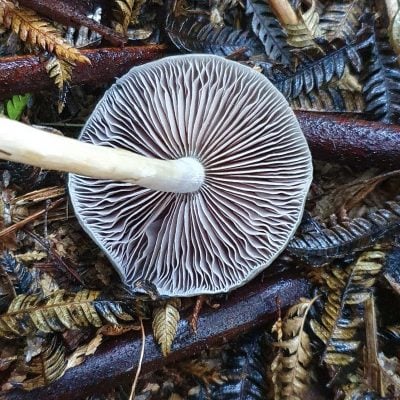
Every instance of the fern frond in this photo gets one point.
(302, 35)
(290, 373)
(340, 321)
(122, 14)
(196, 34)
(381, 81)
(243, 374)
(267, 28)
(165, 324)
(60, 71)
(18, 274)
(59, 312)
(315, 74)
(32, 28)
(46, 367)
(342, 20)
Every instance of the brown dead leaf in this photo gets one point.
(80, 354)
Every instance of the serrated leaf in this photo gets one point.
(165, 324)
(243, 374)
(340, 322)
(329, 100)
(290, 373)
(381, 81)
(197, 34)
(342, 20)
(58, 312)
(316, 74)
(16, 106)
(302, 35)
(43, 369)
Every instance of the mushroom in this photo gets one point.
(191, 173)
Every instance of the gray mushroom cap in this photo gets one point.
(257, 174)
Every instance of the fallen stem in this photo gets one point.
(23, 74)
(140, 361)
(29, 219)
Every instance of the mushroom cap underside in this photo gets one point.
(257, 174)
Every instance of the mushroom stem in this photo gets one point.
(392, 6)
(25, 144)
(284, 11)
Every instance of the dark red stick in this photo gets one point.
(24, 74)
(351, 141)
(114, 362)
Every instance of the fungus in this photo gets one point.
(224, 206)
(257, 171)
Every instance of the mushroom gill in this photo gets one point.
(257, 171)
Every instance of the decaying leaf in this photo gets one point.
(302, 35)
(18, 274)
(314, 75)
(342, 20)
(290, 368)
(165, 324)
(381, 81)
(43, 369)
(60, 71)
(58, 312)
(123, 15)
(340, 323)
(329, 100)
(79, 355)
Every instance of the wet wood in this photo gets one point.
(350, 141)
(116, 360)
(27, 74)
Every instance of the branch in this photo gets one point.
(350, 141)
(25, 74)
(116, 360)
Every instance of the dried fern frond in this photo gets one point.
(341, 321)
(60, 71)
(302, 35)
(33, 29)
(381, 81)
(165, 324)
(267, 28)
(342, 20)
(290, 368)
(329, 100)
(314, 75)
(135, 13)
(241, 373)
(197, 34)
(18, 274)
(58, 312)
(123, 14)
(48, 366)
